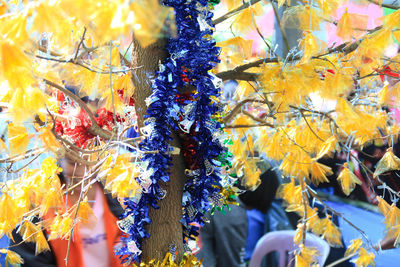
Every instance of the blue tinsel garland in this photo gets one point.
(192, 55)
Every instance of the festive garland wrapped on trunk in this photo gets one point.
(192, 55)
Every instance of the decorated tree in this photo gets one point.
(132, 91)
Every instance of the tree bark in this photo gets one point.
(165, 229)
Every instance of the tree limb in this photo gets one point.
(384, 5)
(234, 11)
(236, 109)
(94, 127)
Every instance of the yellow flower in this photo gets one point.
(348, 180)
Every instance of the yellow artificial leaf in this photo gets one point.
(149, 19)
(392, 20)
(396, 35)
(319, 172)
(328, 147)
(272, 147)
(84, 211)
(348, 180)
(364, 258)
(48, 139)
(298, 238)
(389, 162)
(50, 168)
(124, 82)
(311, 46)
(41, 243)
(15, 66)
(251, 174)
(12, 258)
(28, 231)
(244, 22)
(283, 2)
(304, 18)
(113, 102)
(384, 96)
(240, 44)
(383, 206)
(306, 257)
(3, 8)
(331, 233)
(18, 139)
(349, 25)
(392, 219)
(354, 246)
(314, 223)
(243, 89)
(14, 28)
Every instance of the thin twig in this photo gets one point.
(80, 43)
(94, 127)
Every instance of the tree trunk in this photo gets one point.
(165, 229)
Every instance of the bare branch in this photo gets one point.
(236, 109)
(94, 127)
(249, 126)
(236, 73)
(80, 43)
(235, 11)
(383, 5)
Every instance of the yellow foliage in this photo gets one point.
(383, 206)
(392, 219)
(392, 20)
(13, 27)
(12, 258)
(328, 148)
(120, 175)
(283, 2)
(384, 96)
(311, 46)
(319, 172)
(33, 233)
(349, 25)
(60, 227)
(245, 20)
(314, 223)
(242, 45)
(18, 139)
(15, 66)
(252, 173)
(306, 257)
(148, 21)
(364, 259)
(48, 139)
(305, 18)
(354, 246)
(389, 162)
(348, 180)
(124, 82)
(331, 233)
(84, 210)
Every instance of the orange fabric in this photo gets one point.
(75, 259)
